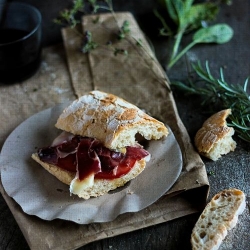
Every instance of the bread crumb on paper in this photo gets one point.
(130, 192)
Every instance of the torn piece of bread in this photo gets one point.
(214, 138)
(117, 120)
(93, 187)
(219, 216)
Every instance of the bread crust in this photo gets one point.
(101, 186)
(110, 119)
(219, 216)
(213, 131)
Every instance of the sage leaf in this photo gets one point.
(199, 13)
(218, 33)
(173, 8)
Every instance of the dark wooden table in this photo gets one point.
(231, 171)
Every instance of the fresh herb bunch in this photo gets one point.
(187, 16)
(218, 93)
(70, 18)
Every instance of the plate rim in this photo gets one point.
(47, 112)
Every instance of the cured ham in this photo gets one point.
(87, 156)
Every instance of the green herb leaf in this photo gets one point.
(200, 13)
(124, 30)
(67, 16)
(188, 17)
(166, 30)
(218, 33)
(211, 173)
(173, 8)
(88, 43)
(120, 51)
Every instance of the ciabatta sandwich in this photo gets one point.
(98, 150)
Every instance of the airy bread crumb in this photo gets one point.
(219, 216)
(214, 138)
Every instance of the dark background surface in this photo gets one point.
(231, 171)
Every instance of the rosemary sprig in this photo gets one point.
(218, 93)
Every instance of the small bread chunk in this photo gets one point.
(110, 119)
(219, 216)
(214, 138)
(99, 186)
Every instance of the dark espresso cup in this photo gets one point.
(20, 42)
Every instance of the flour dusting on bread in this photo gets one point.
(219, 216)
(118, 120)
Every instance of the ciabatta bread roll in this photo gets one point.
(214, 138)
(98, 150)
(219, 216)
(110, 119)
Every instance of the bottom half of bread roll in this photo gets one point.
(91, 187)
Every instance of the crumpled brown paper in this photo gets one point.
(136, 77)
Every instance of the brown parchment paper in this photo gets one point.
(133, 77)
(136, 76)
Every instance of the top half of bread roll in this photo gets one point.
(110, 119)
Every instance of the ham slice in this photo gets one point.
(87, 156)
